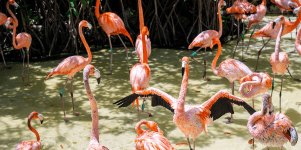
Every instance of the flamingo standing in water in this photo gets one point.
(204, 39)
(4, 21)
(279, 60)
(151, 140)
(112, 25)
(231, 69)
(269, 129)
(94, 140)
(31, 145)
(256, 18)
(269, 31)
(140, 73)
(191, 120)
(256, 83)
(72, 65)
(23, 39)
(138, 44)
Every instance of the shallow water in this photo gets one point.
(116, 126)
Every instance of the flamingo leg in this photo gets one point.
(289, 20)
(193, 144)
(149, 114)
(138, 113)
(204, 76)
(126, 51)
(273, 85)
(259, 52)
(61, 95)
(111, 55)
(2, 56)
(23, 52)
(292, 76)
(230, 119)
(194, 54)
(188, 143)
(280, 94)
(281, 147)
(76, 114)
(267, 148)
(253, 143)
(242, 39)
(253, 101)
(28, 65)
(250, 37)
(238, 38)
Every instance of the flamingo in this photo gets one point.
(112, 25)
(256, 18)
(269, 129)
(151, 140)
(270, 32)
(256, 83)
(94, 140)
(23, 39)
(138, 44)
(240, 9)
(31, 145)
(72, 65)
(231, 69)
(140, 73)
(204, 39)
(4, 21)
(191, 120)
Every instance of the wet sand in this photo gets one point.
(117, 126)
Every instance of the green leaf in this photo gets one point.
(72, 4)
(75, 12)
(30, 12)
(185, 0)
(223, 21)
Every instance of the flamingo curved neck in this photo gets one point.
(220, 32)
(11, 13)
(94, 111)
(144, 60)
(141, 19)
(253, 90)
(213, 66)
(97, 14)
(32, 129)
(257, 115)
(182, 96)
(277, 47)
(138, 127)
(264, 2)
(296, 23)
(297, 42)
(15, 24)
(89, 59)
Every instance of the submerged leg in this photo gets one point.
(76, 114)
(188, 143)
(61, 95)
(238, 38)
(149, 114)
(259, 52)
(126, 51)
(250, 37)
(23, 64)
(111, 56)
(280, 94)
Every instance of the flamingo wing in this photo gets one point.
(220, 104)
(159, 98)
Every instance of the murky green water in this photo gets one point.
(116, 126)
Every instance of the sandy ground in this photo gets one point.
(116, 126)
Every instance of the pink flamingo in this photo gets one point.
(256, 83)
(138, 44)
(23, 39)
(151, 140)
(271, 31)
(112, 25)
(231, 69)
(279, 60)
(256, 18)
(204, 39)
(269, 129)
(191, 120)
(4, 21)
(140, 73)
(72, 65)
(94, 140)
(31, 145)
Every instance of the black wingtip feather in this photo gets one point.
(158, 101)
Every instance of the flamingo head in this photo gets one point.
(94, 71)
(296, 11)
(8, 21)
(267, 102)
(292, 5)
(12, 2)
(223, 2)
(36, 115)
(145, 30)
(185, 61)
(85, 23)
(279, 19)
(153, 126)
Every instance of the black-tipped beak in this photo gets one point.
(274, 23)
(42, 121)
(98, 80)
(292, 7)
(183, 70)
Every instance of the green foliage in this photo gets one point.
(226, 19)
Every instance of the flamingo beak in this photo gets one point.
(89, 25)
(97, 75)
(41, 121)
(183, 70)
(16, 5)
(41, 118)
(7, 23)
(184, 63)
(275, 22)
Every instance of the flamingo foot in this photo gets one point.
(109, 73)
(76, 114)
(206, 79)
(228, 118)
(66, 120)
(28, 84)
(242, 60)
(246, 53)
(229, 122)
(23, 78)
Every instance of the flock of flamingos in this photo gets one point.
(272, 130)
